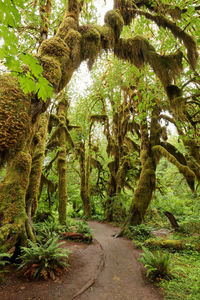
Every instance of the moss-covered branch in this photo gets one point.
(183, 169)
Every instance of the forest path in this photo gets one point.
(121, 278)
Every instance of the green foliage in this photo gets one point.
(140, 232)
(44, 260)
(12, 55)
(48, 230)
(157, 264)
(4, 259)
(185, 283)
(83, 228)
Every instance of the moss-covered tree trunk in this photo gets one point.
(146, 183)
(14, 223)
(62, 161)
(84, 181)
(37, 162)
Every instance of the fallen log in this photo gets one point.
(76, 236)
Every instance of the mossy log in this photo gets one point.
(169, 244)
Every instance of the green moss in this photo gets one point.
(90, 44)
(68, 23)
(73, 40)
(15, 118)
(37, 163)
(115, 21)
(56, 48)
(51, 70)
(173, 244)
(12, 201)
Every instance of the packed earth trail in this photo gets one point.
(107, 269)
(121, 278)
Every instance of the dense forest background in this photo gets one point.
(99, 121)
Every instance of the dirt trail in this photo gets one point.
(121, 278)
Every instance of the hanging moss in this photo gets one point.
(115, 21)
(90, 43)
(15, 119)
(107, 36)
(51, 70)
(183, 169)
(127, 9)
(139, 52)
(188, 40)
(73, 40)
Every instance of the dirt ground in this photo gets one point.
(107, 269)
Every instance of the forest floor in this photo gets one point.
(107, 269)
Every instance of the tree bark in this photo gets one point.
(62, 161)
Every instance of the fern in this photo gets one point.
(157, 264)
(44, 260)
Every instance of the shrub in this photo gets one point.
(140, 232)
(157, 264)
(44, 260)
(83, 228)
(48, 230)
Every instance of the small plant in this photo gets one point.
(44, 260)
(47, 230)
(4, 259)
(157, 264)
(83, 228)
(140, 232)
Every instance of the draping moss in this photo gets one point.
(90, 44)
(115, 21)
(15, 120)
(183, 169)
(139, 52)
(107, 36)
(126, 8)
(188, 40)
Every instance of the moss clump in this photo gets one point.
(68, 23)
(73, 40)
(107, 36)
(55, 47)
(15, 118)
(51, 70)
(115, 21)
(90, 44)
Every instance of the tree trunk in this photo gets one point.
(36, 169)
(84, 181)
(61, 161)
(14, 223)
(143, 193)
